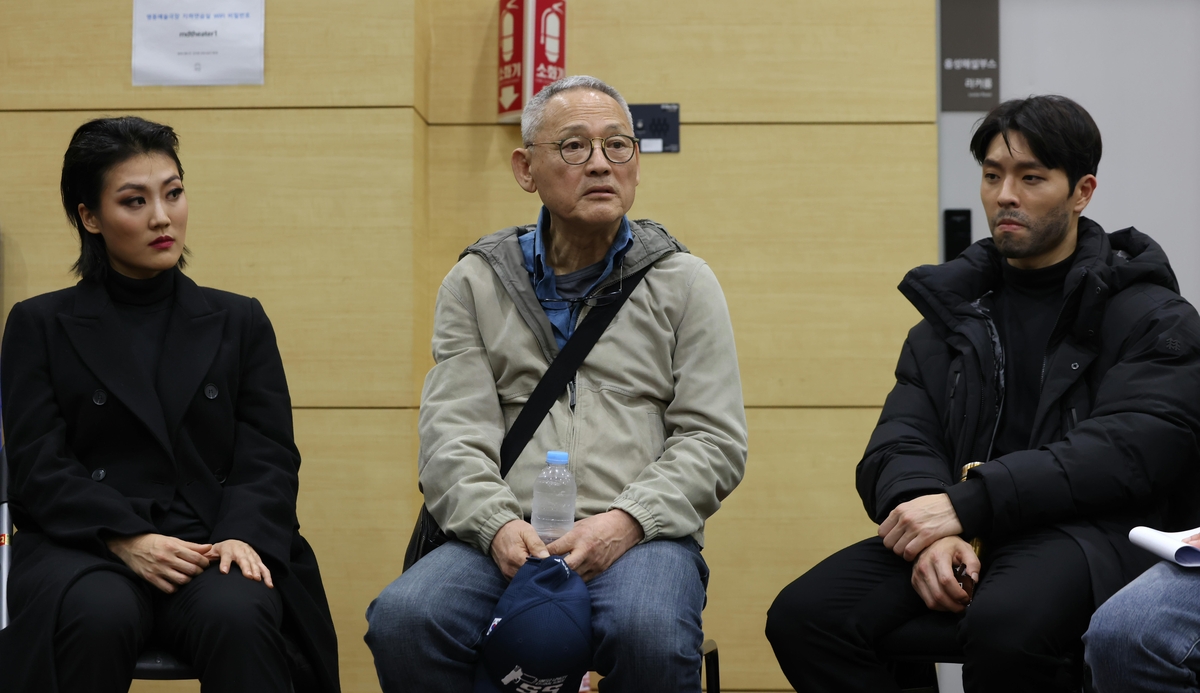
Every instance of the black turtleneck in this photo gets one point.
(1026, 307)
(144, 307)
(1026, 304)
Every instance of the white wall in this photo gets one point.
(1135, 66)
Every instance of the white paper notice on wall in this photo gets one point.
(197, 42)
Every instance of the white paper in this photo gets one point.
(1168, 545)
(197, 42)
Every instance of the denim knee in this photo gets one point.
(397, 617)
(1119, 628)
(1110, 632)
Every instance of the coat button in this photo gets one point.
(210, 391)
(99, 397)
(221, 477)
(1098, 289)
(1074, 366)
(98, 475)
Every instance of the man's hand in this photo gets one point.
(165, 562)
(914, 525)
(595, 543)
(933, 574)
(515, 542)
(236, 551)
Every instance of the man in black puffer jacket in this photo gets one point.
(1063, 359)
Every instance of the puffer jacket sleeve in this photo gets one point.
(704, 456)
(1143, 434)
(461, 426)
(906, 456)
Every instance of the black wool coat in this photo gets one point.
(1116, 436)
(96, 450)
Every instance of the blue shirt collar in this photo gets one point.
(541, 275)
(534, 250)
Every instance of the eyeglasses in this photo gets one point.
(594, 300)
(578, 150)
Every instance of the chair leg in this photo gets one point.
(712, 666)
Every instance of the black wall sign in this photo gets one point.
(956, 232)
(657, 126)
(970, 54)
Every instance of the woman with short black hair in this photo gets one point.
(151, 457)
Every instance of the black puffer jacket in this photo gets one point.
(1116, 437)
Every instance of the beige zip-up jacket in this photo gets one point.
(657, 428)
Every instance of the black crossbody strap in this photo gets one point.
(560, 372)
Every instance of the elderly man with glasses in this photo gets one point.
(653, 419)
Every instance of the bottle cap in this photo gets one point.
(556, 457)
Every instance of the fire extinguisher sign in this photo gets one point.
(532, 52)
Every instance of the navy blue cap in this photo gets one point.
(540, 637)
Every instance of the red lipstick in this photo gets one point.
(162, 243)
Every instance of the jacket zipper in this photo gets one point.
(998, 356)
(1054, 330)
(571, 389)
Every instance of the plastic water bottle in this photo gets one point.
(554, 498)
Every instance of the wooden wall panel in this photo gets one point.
(311, 211)
(165, 687)
(796, 506)
(76, 54)
(358, 501)
(471, 194)
(37, 243)
(808, 227)
(769, 61)
(422, 41)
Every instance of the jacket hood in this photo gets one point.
(1109, 262)
(502, 251)
(650, 242)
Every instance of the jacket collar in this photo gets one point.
(1104, 265)
(502, 251)
(194, 334)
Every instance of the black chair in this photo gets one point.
(711, 666)
(160, 665)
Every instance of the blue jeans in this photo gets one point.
(426, 627)
(1144, 638)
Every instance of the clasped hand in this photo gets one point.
(593, 545)
(169, 563)
(933, 574)
(914, 525)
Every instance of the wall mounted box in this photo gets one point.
(657, 126)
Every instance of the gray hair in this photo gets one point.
(531, 117)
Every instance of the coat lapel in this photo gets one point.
(193, 338)
(98, 336)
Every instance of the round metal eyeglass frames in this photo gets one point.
(578, 150)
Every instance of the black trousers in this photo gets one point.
(227, 625)
(1021, 633)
